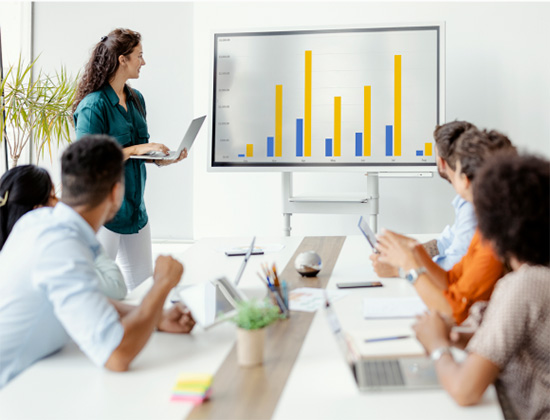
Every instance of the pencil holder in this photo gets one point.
(279, 300)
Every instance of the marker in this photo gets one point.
(397, 337)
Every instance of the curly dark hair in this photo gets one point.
(512, 203)
(90, 168)
(474, 147)
(445, 137)
(104, 63)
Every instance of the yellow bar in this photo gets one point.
(337, 125)
(278, 120)
(249, 150)
(307, 110)
(397, 105)
(427, 149)
(367, 122)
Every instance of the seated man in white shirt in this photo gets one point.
(49, 287)
(453, 242)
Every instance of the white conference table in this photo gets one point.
(68, 386)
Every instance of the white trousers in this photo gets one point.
(132, 253)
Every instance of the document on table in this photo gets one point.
(393, 307)
(309, 299)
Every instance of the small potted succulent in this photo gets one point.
(252, 317)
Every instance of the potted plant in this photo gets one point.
(35, 109)
(252, 317)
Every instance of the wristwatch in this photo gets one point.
(412, 275)
(440, 351)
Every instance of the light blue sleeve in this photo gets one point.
(65, 273)
(455, 240)
(111, 281)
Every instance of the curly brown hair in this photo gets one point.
(475, 146)
(512, 203)
(104, 63)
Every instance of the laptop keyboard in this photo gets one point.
(383, 373)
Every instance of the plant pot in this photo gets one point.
(250, 347)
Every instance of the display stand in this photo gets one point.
(354, 203)
(360, 203)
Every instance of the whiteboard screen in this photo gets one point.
(327, 98)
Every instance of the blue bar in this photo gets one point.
(389, 140)
(328, 147)
(241, 155)
(270, 146)
(358, 144)
(419, 153)
(299, 137)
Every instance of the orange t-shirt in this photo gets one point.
(472, 278)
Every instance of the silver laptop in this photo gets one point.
(215, 301)
(382, 374)
(186, 143)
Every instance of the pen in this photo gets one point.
(285, 293)
(396, 337)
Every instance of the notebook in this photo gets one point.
(186, 143)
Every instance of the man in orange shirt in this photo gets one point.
(474, 277)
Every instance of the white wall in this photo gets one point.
(498, 76)
(15, 24)
(66, 32)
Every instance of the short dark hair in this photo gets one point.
(474, 147)
(512, 203)
(445, 137)
(90, 168)
(21, 189)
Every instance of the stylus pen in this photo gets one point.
(396, 337)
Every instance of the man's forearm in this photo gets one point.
(139, 322)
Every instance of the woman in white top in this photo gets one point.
(511, 346)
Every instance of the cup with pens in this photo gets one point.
(276, 289)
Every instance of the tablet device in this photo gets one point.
(368, 233)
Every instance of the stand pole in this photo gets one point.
(287, 192)
(372, 189)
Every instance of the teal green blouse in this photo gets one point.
(100, 113)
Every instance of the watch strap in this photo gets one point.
(440, 351)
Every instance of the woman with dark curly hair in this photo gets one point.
(512, 203)
(105, 104)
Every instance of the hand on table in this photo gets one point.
(383, 269)
(177, 319)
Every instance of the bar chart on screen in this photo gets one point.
(326, 97)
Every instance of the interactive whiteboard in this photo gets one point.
(348, 98)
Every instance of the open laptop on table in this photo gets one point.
(215, 301)
(186, 143)
(379, 373)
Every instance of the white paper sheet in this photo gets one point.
(397, 307)
(309, 299)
